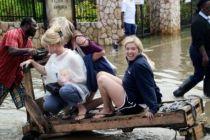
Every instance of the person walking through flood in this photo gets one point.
(199, 51)
(75, 91)
(137, 89)
(15, 47)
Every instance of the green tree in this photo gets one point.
(86, 11)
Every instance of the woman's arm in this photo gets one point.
(97, 55)
(145, 84)
(21, 51)
(97, 49)
(37, 66)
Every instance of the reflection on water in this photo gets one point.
(172, 65)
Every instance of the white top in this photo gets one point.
(71, 61)
(129, 9)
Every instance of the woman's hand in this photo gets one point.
(64, 81)
(97, 55)
(25, 64)
(149, 115)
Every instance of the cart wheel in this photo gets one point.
(31, 135)
(127, 130)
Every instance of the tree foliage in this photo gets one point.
(86, 11)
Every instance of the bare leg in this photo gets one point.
(81, 112)
(110, 89)
(83, 108)
(115, 78)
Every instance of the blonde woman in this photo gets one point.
(137, 89)
(67, 28)
(73, 93)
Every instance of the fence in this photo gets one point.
(143, 20)
(14, 10)
(85, 11)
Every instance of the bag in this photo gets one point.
(41, 53)
(53, 88)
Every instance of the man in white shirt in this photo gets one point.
(128, 12)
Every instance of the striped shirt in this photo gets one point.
(10, 70)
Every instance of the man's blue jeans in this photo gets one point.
(130, 29)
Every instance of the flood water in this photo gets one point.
(172, 66)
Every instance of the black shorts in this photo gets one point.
(130, 108)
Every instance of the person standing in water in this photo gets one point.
(199, 51)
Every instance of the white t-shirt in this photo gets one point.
(129, 9)
(71, 61)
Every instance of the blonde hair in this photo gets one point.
(53, 36)
(67, 28)
(135, 40)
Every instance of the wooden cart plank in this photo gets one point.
(196, 132)
(175, 119)
(36, 114)
(178, 119)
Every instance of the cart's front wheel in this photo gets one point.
(32, 135)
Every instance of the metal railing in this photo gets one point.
(85, 11)
(15, 10)
(143, 20)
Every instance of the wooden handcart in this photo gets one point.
(182, 120)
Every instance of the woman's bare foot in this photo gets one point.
(81, 112)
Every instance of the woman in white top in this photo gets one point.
(73, 92)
